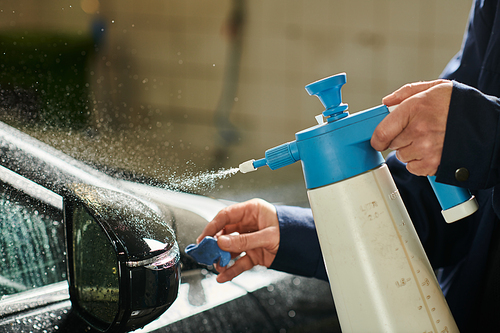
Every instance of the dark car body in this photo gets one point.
(33, 280)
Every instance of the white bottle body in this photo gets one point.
(379, 274)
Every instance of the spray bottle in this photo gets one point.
(379, 274)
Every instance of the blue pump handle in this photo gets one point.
(341, 148)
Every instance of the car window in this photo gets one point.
(32, 239)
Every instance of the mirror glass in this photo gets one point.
(95, 267)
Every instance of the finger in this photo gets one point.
(264, 238)
(241, 265)
(422, 147)
(405, 155)
(244, 217)
(228, 215)
(426, 146)
(402, 140)
(421, 168)
(409, 90)
(215, 226)
(420, 160)
(391, 126)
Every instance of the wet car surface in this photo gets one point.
(34, 285)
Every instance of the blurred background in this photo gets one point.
(166, 89)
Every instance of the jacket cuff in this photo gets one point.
(470, 156)
(299, 251)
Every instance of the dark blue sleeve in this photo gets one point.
(299, 251)
(476, 64)
(472, 139)
(472, 132)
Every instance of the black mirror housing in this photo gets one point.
(122, 257)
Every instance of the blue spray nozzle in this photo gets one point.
(276, 158)
(282, 155)
(259, 163)
(208, 252)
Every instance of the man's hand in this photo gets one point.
(416, 128)
(258, 227)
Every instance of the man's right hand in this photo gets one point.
(416, 128)
(258, 236)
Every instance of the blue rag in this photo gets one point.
(208, 252)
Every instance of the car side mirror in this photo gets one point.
(122, 257)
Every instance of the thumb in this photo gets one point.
(409, 90)
(390, 127)
(225, 243)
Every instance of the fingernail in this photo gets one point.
(221, 279)
(224, 241)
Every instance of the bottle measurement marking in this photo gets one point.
(425, 282)
(402, 282)
(393, 196)
(371, 210)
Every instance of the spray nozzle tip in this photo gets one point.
(247, 166)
